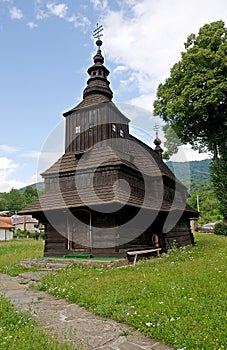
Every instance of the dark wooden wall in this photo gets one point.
(96, 125)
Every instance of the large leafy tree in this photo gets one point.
(193, 100)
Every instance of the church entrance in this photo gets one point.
(79, 234)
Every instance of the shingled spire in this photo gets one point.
(98, 83)
(97, 90)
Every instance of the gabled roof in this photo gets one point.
(5, 225)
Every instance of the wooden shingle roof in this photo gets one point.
(71, 199)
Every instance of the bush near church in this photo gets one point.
(220, 228)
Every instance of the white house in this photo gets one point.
(25, 222)
(6, 230)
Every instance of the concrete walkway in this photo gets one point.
(69, 321)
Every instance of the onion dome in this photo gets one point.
(98, 83)
(157, 143)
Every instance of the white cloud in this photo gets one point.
(187, 154)
(79, 21)
(30, 154)
(16, 13)
(148, 36)
(32, 25)
(7, 164)
(41, 14)
(7, 149)
(59, 10)
(120, 69)
(99, 4)
(7, 169)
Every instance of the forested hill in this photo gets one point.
(198, 170)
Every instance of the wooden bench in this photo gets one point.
(135, 253)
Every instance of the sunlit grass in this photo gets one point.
(12, 252)
(19, 332)
(179, 299)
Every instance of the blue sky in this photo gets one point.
(47, 46)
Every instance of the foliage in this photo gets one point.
(193, 99)
(178, 299)
(220, 228)
(12, 252)
(219, 179)
(16, 200)
(21, 233)
(172, 141)
(202, 195)
(38, 235)
(18, 331)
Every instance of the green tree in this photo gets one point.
(219, 179)
(3, 201)
(193, 100)
(203, 197)
(15, 200)
(30, 195)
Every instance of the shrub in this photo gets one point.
(220, 228)
(38, 235)
(21, 233)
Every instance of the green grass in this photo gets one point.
(18, 331)
(179, 299)
(12, 252)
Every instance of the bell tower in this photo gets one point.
(96, 118)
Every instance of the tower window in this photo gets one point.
(114, 128)
(77, 129)
(122, 133)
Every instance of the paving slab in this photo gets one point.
(70, 321)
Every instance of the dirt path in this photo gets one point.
(69, 321)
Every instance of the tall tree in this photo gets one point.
(15, 200)
(30, 195)
(193, 100)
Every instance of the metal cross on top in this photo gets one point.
(156, 128)
(97, 34)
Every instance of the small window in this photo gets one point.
(77, 129)
(114, 128)
(121, 133)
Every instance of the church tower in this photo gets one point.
(109, 192)
(96, 118)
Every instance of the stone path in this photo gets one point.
(69, 321)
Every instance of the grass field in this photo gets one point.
(179, 299)
(19, 332)
(12, 252)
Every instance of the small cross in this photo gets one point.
(97, 32)
(156, 128)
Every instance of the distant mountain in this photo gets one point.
(39, 186)
(194, 170)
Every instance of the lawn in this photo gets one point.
(179, 299)
(19, 332)
(12, 252)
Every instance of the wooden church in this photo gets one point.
(109, 193)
